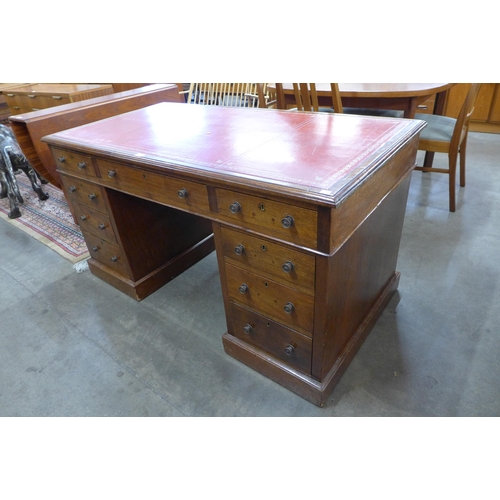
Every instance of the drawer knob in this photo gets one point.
(92, 196)
(102, 226)
(82, 165)
(289, 308)
(287, 221)
(289, 349)
(183, 193)
(111, 173)
(61, 159)
(83, 217)
(239, 249)
(243, 288)
(287, 267)
(72, 189)
(114, 258)
(95, 249)
(247, 328)
(234, 207)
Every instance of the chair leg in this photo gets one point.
(452, 165)
(463, 151)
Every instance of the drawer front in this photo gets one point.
(270, 298)
(281, 342)
(108, 254)
(78, 191)
(94, 222)
(14, 100)
(177, 193)
(74, 163)
(284, 264)
(19, 110)
(287, 222)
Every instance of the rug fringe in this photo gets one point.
(81, 267)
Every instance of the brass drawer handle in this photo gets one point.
(289, 308)
(243, 288)
(287, 221)
(239, 249)
(11, 95)
(56, 97)
(72, 189)
(31, 96)
(61, 159)
(287, 267)
(182, 193)
(92, 196)
(111, 173)
(82, 165)
(289, 349)
(235, 207)
(247, 328)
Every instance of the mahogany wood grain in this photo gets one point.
(343, 179)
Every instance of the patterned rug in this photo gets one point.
(49, 221)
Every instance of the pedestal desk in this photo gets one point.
(306, 211)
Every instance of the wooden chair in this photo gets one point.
(306, 98)
(241, 95)
(444, 134)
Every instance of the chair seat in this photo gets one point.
(439, 128)
(388, 113)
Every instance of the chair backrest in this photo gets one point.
(241, 95)
(462, 124)
(306, 97)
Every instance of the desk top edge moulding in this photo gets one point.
(188, 138)
(305, 212)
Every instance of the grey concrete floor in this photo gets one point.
(70, 345)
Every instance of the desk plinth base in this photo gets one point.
(145, 286)
(310, 389)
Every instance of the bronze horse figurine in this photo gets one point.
(12, 160)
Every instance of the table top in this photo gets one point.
(380, 89)
(50, 88)
(311, 156)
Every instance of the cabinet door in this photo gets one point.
(495, 106)
(483, 105)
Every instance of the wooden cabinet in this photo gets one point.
(31, 127)
(33, 97)
(486, 116)
(306, 210)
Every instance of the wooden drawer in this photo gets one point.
(271, 298)
(74, 163)
(287, 222)
(107, 253)
(279, 341)
(177, 193)
(14, 100)
(94, 222)
(19, 110)
(286, 265)
(79, 191)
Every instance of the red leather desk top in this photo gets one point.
(323, 155)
